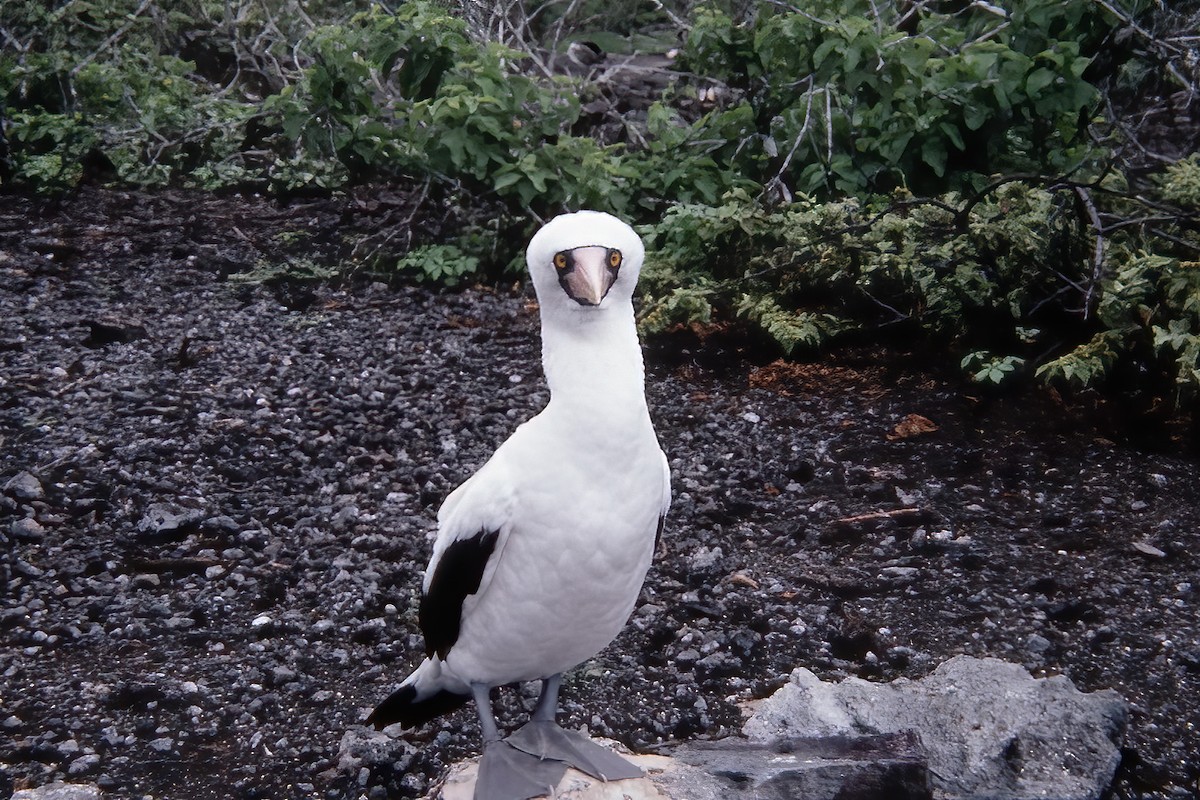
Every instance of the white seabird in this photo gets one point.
(541, 554)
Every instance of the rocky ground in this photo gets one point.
(217, 500)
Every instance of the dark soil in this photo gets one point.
(218, 497)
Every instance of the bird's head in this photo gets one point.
(584, 260)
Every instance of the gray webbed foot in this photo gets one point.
(509, 773)
(545, 739)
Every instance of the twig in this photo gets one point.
(1119, 223)
(900, 315)
(1097, 252)
(21, 48)
(1128, 20)
(558, 30)
(778, 179)
(912, 9)
(828, 127)
(676, 21)
(872, 517)
(991, 9)
(1175, 239)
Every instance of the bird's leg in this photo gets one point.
(483, 706)
(506, 772)
(543, 737)
(547, 704)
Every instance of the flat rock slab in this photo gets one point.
(460, 783)
(888, 767)
(990, 730)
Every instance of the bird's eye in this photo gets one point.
(560, 260)
(614, 258)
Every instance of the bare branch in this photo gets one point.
(1097, 252)
(777, 181)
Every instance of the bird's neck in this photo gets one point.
(593, 364)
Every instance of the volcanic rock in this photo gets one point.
(990, 729)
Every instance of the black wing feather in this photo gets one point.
(458, 574)
(403, 706)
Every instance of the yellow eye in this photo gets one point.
(560, 260)
(614, 258)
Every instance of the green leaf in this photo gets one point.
(933, 153)
(953, 134)
(1039, 79)
(975, 116)
(824, 49)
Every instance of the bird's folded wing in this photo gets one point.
(473, 527)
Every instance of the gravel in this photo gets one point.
(218, 498)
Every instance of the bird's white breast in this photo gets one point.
(582, 538)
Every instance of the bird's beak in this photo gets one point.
(587, 273)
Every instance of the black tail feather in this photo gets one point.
(403, 706)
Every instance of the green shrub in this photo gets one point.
(866, 96)
(1007, 279)
(91, 78)
(439, 263)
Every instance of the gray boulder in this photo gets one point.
(989, 729)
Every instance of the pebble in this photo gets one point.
(1036, 643)
(705, 557)
(27, 530)
(84, 764)
(282, 675)
(1147, 549)
(900, 574)
(163, 519)
(24, 486)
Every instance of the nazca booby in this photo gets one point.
(541, 554)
